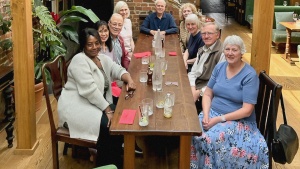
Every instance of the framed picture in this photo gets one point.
(60, 5)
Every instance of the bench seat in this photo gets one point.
(279, 36)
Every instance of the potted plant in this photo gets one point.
(5, 24)
(50, 33)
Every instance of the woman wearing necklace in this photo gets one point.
(230, 138)
(126, 32)
(85, 103)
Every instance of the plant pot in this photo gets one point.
(39, 91)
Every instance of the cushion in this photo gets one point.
(279, 36)
(283, 17)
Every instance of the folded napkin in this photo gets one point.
(116, 91)
(127, 116)
(140, 55)
(172, 54)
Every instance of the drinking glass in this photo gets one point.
(143, 115)
(147, 105)
(296, 3)
(295, 17)
(163, 53)
(172, 96)
(164, 66)
(145, 60)
(159, 99)
(143, 76)
(284, 3)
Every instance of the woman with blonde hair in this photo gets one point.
(184, 11)
(126, 32)
(195, 41)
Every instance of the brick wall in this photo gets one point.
(142, 7)
(6, 57)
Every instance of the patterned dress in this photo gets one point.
(232, 144)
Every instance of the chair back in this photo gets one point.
(55, 70)
(268, 95)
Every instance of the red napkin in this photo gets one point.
(116, 91)
(127, 116)
(140, 55)
(172, 54)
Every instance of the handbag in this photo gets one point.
(285, 143)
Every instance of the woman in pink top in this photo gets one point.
(126, 32)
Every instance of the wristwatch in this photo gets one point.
(223, 119)
(202, 91)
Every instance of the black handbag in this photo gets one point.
(285, 143)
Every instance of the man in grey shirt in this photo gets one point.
(208, 57)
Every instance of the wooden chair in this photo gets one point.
(268, 95)
(58, 73)
(229, 9)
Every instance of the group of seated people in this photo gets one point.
(224, 88)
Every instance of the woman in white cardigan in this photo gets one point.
(85, 104)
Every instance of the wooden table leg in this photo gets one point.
(129, 155)
(9, 116)
(184, 152)
(287, 54)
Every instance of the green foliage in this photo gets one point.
(75, 14)
(49, 34)
(5, 25)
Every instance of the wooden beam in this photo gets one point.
(24, 76)
(261, 35)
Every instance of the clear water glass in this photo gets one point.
(145, 60)
(159, 99)
(143, 76)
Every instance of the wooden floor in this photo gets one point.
(161, 152)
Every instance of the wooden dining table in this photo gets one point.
(184, 121)
(290, 27)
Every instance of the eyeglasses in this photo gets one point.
(129, 95)
(171, 83)
(208, 33)
(116, 25)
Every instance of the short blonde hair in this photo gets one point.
(118, 7)
(235, 40)
(187, 5)
(156, 1)
(193, 18)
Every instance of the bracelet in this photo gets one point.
(110, 112)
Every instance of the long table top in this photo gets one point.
(184, 120)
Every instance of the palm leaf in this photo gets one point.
(79, 9)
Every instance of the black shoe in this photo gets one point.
(137, 150)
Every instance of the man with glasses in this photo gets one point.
(208, 57)
(159, 20)
(120, 55)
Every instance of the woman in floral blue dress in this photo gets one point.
(230, 138)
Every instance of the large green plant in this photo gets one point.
(49, 35)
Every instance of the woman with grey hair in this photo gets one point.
(193, 26)
(184, 11)
(126, 32)
(230, 137)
